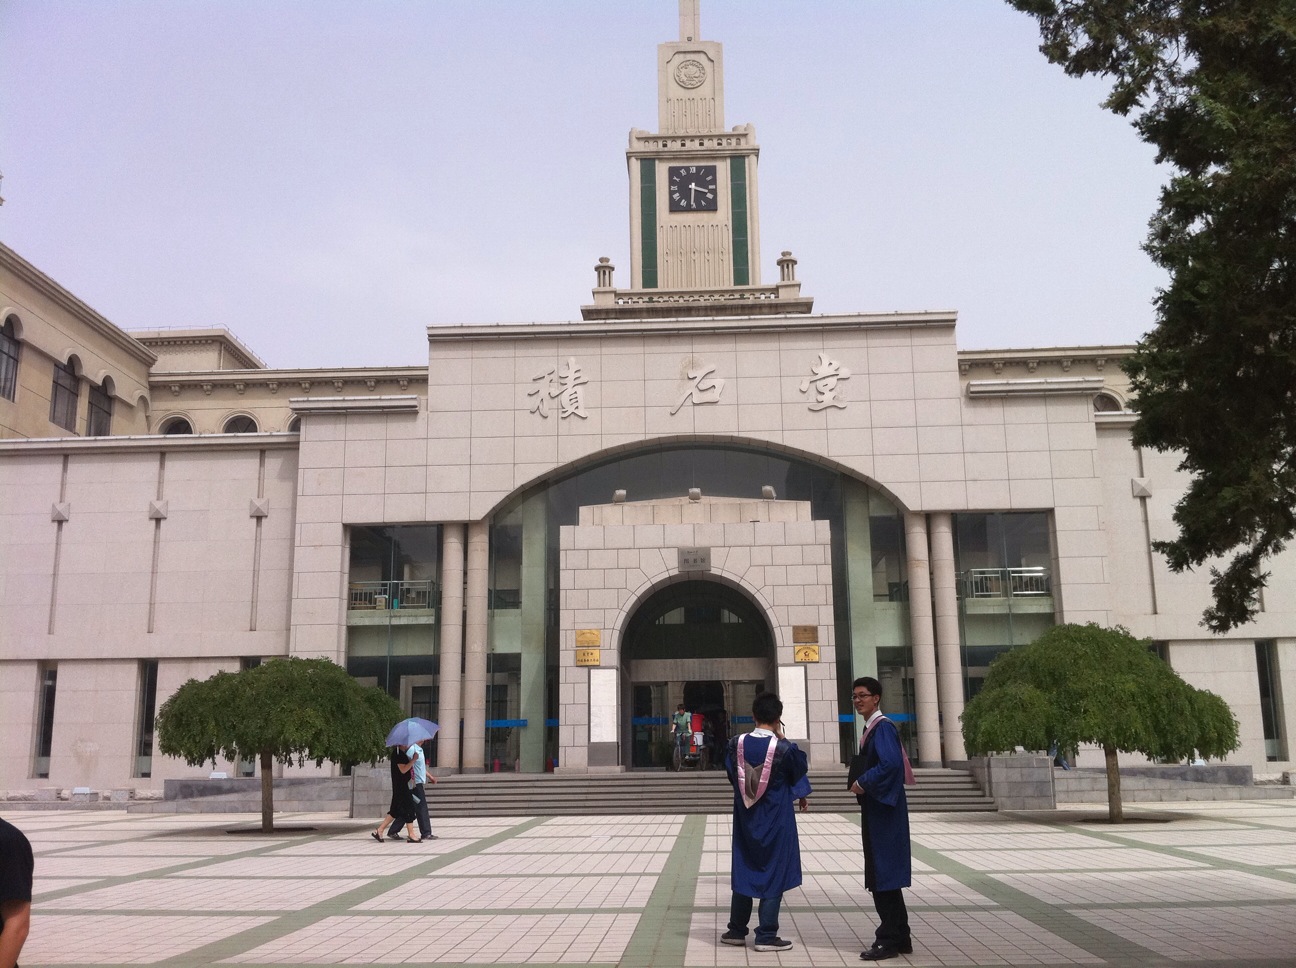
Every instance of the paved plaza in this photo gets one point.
(1196, 883)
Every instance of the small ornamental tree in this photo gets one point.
(283, 710)
(1087, 684)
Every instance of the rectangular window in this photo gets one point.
(45, 720)
(1271, 711)
(8, 361)
(63, 397)
(648, 221)
(741, 233)
(147, 708)
(99, 413)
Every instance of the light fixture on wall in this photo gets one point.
(767, 492)
(695, 494)
(618, 496)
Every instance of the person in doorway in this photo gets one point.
(400, 812)
(877, 778)
(16, 866)
(418, 786)
(682, 727)
(767, 772)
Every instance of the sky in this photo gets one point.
(327, 179)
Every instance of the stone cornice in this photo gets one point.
(408, 403)
(187, 336)
(1035, 387)
(152, 442)
(681, 327)
(28, 273)
(1052, 357)
(334, 380)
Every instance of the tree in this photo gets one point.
(280, 711)
(1212, 85)
(1087, 684)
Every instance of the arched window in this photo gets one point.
(239, 424)
(294, 425)
(177, 425)
(8, 359)
(1106, 403)
(63, 396)
(100, 409)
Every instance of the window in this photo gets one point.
(1106, 403)
(8, 359)
(294, 425)
(63, 396)
(147, 708)
(45, 720)
(177, 425)
(240, 424)
(1271, 710)
(99, 411)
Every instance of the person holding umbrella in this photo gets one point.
(401, 812)
(407, 735)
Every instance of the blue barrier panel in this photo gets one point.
(649, 721)
(497, 723)
(894, 717)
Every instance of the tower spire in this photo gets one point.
(690, 21)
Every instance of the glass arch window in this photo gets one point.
(177, 426)
(8, 359)
(64, 395)
(99, 411)
(1106, 403)
(870, 594)
(239, 424)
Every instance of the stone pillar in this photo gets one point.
(450, 682)
(948, 653)
(926, 705)
(475, 629)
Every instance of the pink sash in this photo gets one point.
(751, 784)
(908, 770)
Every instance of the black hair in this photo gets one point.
(869, 683)
(767, 708)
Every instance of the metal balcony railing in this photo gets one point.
(383, 595)
(1005, 583)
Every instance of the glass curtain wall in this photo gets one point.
(1005, 585)
(393, 611)
(524, 582)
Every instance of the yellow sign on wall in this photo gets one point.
(589, 657)
(588, 637)
(806, 653)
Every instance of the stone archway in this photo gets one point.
(699, 642)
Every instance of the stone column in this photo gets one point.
(948, 653)
(450, 682)
(926, 706)
(475, 628)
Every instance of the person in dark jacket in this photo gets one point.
(402, 810)
(768, 772)
(877, 778)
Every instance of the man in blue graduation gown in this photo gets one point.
(877, 777)
(768, 772)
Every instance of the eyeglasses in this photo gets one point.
(864, 695)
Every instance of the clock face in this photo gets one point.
(693, 188)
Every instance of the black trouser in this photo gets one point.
(893, 918)
(421, 811)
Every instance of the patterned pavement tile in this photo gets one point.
(208, 895)
(1204, 933)
(75, 939)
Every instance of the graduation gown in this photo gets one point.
(766, 854)
(879, 767)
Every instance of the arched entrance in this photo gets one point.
(699, 642)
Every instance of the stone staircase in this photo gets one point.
(534, 794)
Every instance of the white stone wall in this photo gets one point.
(771, 551)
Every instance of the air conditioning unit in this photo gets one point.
(380, 601)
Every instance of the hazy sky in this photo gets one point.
(326, 179)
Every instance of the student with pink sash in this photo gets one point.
(768, 773)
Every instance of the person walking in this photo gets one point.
(418, 786)
(877, 777)
(401, 811)
(16, 866)
(767, 772)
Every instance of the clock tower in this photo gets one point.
(694, 216)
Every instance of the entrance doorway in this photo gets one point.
(701, 643)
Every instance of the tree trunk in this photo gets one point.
(267, 793)
(1115, 812)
